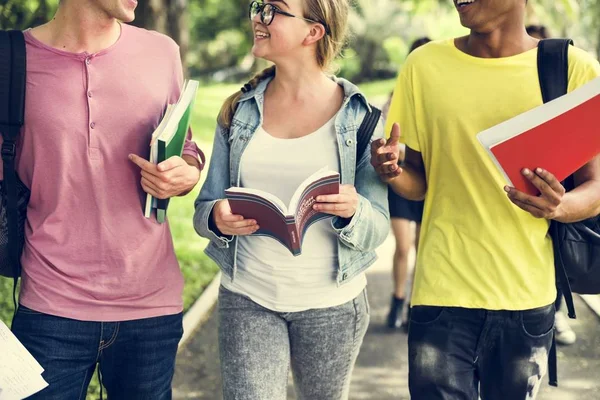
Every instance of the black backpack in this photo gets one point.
(576, 245)
(14, 194)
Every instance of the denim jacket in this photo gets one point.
(358, 236)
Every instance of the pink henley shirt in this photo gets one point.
(90, 254)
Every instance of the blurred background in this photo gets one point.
(215, 40)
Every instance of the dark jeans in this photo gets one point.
(458, 353)
(136, 358)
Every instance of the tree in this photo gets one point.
(371, 23)
(23, 14)
(166, 16)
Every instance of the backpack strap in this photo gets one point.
(12, 114)
(553, 67)
(367, 127)
(553, 73)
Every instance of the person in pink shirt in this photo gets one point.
(100, 283)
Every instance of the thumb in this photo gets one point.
(394, 135)
(169, 164)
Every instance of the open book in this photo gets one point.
(560, 136)
(20, 373)
(168, 140)
(285, 223)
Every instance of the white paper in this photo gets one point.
(20, 373)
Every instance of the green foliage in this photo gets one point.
(22, 14)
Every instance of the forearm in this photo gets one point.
(193, 162)
(581, 203)
(410, 184)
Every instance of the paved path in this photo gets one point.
(381, 370)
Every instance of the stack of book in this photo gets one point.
(168, 140)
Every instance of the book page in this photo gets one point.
(271, 198)
(188, 95)
(20, 373)
(300, 191)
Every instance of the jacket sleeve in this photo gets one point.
(213, 190)
(370, 225)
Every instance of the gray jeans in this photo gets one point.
(258, 345)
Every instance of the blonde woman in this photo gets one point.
(309, 312)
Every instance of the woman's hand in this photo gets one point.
(342, 205)
(231, 224)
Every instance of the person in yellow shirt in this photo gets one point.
(483, 303)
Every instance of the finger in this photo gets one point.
(536, 212)
(376, 144)
(244, 223)
(147, 183)
(387, 158)
(332, 198)
(387, 168)
(394, 135)
(150, 191)
(331, 207)
(142, 163)
(170, 163)
(545, 189)
(158, 181)
(245, 231)
(521, 198)
(228, 217)
(551, 180)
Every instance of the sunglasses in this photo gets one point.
(268, 11)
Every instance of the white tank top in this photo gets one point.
(267, 272)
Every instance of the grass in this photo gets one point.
(198, 270)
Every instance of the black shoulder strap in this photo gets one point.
(363, 137)
(553, 72)
(553, 67)
(12, 83)
(12, 114)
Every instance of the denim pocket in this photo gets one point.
(425, 314)
(539, 322)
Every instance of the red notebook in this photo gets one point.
(560, 136)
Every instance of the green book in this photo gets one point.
(168, 140)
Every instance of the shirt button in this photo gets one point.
(344, 276)
(349, 142)
(88, 61)
(89, 94)
(92, 125)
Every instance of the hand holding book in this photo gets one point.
(168, 179)
(287, 223)
(547, 204)
(342, 205)
(231, 224)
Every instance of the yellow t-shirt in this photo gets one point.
(477, 249)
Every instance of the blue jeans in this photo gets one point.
(461, 354)
(258, 345)
(136, 358)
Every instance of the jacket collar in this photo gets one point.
(350, 91)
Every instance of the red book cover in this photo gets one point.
(560, 136)
(285, 223)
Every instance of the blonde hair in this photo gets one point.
(333, 14)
